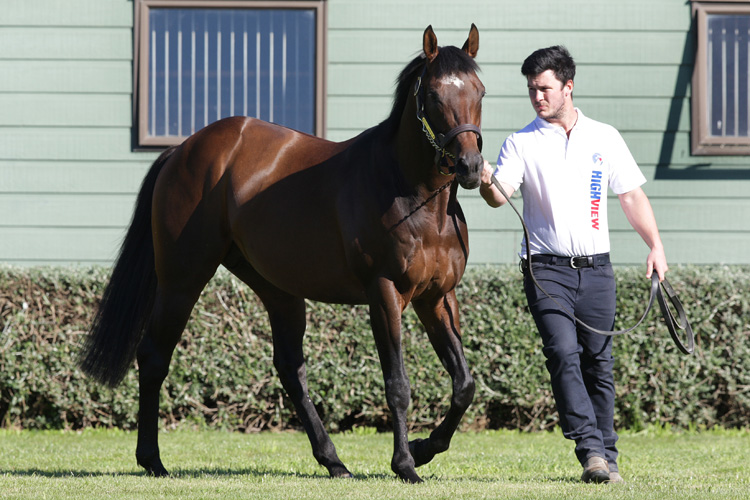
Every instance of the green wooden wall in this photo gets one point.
(68, 174)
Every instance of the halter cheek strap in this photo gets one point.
(439, 141)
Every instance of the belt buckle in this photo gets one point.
(589, 261)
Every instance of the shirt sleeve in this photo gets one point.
(510, 164)
(624, 173)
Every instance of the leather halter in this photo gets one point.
(438, 140)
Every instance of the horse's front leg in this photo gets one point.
(440, 318)
(386, 306)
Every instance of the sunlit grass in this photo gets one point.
(500, 464)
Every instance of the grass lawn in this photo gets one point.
(499, 465)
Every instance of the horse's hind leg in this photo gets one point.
(441, 321)
(287, 316)
(171, 311)
(288, 326)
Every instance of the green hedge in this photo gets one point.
(222, 374)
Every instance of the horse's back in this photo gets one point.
(266, 189)
(232, 161)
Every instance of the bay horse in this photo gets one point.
(373, 220)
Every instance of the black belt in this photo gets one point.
(600, 259)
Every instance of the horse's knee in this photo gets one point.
(463, 394)
(292, 375)
(398, 393)
(288, 366)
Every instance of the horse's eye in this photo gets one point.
(434, 98)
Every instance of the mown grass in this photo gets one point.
(498, 464)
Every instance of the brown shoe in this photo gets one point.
(615, 477)
(595, 470)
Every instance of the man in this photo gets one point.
(564, 163)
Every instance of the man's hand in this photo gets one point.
(489, 192)
(487, 172)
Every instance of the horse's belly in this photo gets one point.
(303, 260)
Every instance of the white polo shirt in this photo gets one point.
(564, 183)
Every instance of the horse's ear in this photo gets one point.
(429, 44)
(471, 45)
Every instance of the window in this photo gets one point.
(721, 93)
(199, 61)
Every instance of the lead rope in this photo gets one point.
(425, 202)
(656, 292)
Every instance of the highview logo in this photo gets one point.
(596, 191)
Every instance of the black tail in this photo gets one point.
(127, 301)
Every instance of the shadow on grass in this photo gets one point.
(200, 473)
(186, 474)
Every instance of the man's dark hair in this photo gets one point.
(557, 58)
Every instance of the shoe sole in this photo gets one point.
(596, 476)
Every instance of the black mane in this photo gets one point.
(449, 60)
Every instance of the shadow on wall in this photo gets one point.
(696, 171)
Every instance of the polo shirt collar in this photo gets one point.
(546, 127)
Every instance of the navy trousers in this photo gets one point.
(579, 362)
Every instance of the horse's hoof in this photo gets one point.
(340, 472)
(158, 471)
(154, 468)
(410, 477)
(419, 449)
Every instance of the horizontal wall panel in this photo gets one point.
(494, 247)
(114, 13)
(65, 210)
(684, 248)
(84, 144)
(60, 207)
(506, 80)
(73, 177)
(671, 151)
(512, 47)
(685, 214)
(636, 114)
(509, 15)
(716, 170)
(29, 246)
(70, 110)
(70, 43)
(647, 149)
(490, 247)
(59, 245)
(482, 217)
(691, 190)
(672, 214)
(595, 47)
(625, 114)
(111, 77)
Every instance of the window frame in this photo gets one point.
(703, 143)
(141, 58)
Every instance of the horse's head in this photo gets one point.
(449, 105)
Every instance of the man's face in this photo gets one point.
(549, 95)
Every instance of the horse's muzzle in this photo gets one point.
(469, 170)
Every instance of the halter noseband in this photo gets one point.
(440, 141)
